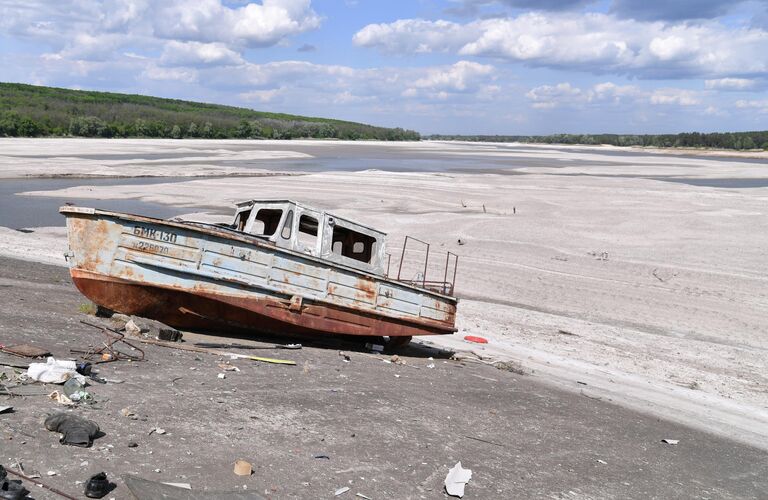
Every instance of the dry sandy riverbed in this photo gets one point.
(674, 321)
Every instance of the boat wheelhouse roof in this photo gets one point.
(302, 228)
(248, 203)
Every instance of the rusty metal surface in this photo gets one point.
(198, 277)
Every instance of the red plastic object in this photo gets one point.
(477, 340)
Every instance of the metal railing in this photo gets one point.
(445, 286)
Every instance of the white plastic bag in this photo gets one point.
(54, 371)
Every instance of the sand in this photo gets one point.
(672, 319)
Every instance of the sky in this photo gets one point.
(438, 67)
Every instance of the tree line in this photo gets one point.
(34, 111)
(714, 140)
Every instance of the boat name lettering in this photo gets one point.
(155, 234)
(150, 247)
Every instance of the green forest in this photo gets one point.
(34, 111)
(714, 140)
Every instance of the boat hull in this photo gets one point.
(206, 279)
(214, 312)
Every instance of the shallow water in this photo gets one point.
(35, 211)
(39, 211)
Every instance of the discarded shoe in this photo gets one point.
(97, 486)
(75, 431)
(11, 490)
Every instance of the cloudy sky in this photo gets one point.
(450, 66)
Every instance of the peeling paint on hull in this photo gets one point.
(194, 277)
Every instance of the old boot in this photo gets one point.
(97, 486)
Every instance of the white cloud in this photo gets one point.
(609, 91)
(730, 84)
(186, 75)
(459, 77)
(96, 30)
(262, 95)
(593, 42)
(252, 24)
(761, 105)
(415, 35)
(196, 53)
(565, 94)
(679, 97)
(551, 96)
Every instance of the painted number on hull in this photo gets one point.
(155, 234)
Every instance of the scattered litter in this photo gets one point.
(25, 350)
(322, 456)
(346, 357)
(222, 375)
(169, 335)
(97, 486)
(54, 371)
(243, 468)
(456, 479)
(670, 441)
(360, 495)
(214, 345)
(127, 412)
(74, 430)
(602, 462)
(431, 365)
(156, 430)
(484, 441)
(475, 339)
(133, 444)
(76, 392)
(397, 375)
(228, 368)
(12, 489)
(185, 486)
(6, 409)
(231, 355)
(374, 347)
(566, 332)
(341, 491)
(581, 383)
(61, 398)
(108, 351)
(142, 489)
(51, 473)
(131, 328)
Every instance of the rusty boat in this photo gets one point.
(280, 267)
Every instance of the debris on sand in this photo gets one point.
(475, 339)
(54, 371)
(670, 441)
(243, 468)
(97, 486)
(456, 479)
(74, 430)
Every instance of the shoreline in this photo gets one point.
(670, 313)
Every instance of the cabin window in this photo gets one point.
(267, 220)
(241, 219)
(353, 245)
(287, 226)
(307, 235)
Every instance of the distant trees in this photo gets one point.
(31, 111)
(718, 140)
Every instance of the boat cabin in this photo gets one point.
(309, 230)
